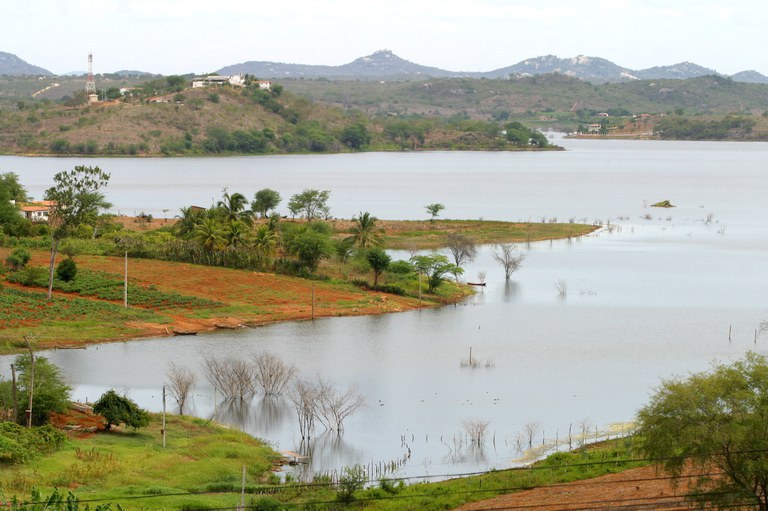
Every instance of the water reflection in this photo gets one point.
(511, 291)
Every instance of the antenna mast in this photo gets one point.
(90, 83)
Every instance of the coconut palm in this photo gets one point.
(187, 220)
(208, 234)
(365, 232)
(233, 207)
(236, 233)
(265, 243)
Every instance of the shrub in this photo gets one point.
(401, 267)
(118, 409)
(67, 270)
(18, 259)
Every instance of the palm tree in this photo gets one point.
(187, 220)
(265, 243)
(208, 234)
(233, 207)
(236, 233)
(365, 232)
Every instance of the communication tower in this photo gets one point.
(90, 83)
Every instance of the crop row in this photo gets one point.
(19, 308)
(106, 286)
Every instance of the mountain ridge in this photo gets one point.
(386, 65)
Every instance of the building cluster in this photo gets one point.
(37, 211)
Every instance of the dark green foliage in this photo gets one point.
(401, 267)
(118, 409)
(519, 135)
(67, 270)
(265, 200)
(49, 393)
(686, 128)
(19, 444)
(379, 261)
(356, 136)
(309, 246)
(713, 422)
(17, 259)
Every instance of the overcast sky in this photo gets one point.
(195, 36)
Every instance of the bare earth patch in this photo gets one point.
(639, 488)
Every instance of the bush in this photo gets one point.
(18, 259)
(118, 409)
(401, 267)
(67, 270)
(19, 444)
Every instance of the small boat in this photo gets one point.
(476, 283)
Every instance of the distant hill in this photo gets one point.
(591, 69)
(380, 65)
(12, 65)
(750, 77)
(681, 71)
(385, 65)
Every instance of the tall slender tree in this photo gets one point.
(76, 198)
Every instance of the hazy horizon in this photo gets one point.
(197, 36)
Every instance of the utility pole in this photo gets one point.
(125, 283)
(31, 382)
(163, 415)
(242, 492)
(14, 396)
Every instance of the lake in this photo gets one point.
(654, 294)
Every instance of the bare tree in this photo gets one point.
(304, 395)
(271, 373)
(180, 383)
(462, 249)
(562, 288)
(476, 430)
(508, 257)
(334, 407)
(232, 377)
(531, 429)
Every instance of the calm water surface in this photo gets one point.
(653, 297)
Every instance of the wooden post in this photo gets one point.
(163, 415)
(31, 382)
(729, 332)
(125, 284)
(15, 398)
(242, 492)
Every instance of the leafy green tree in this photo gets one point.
(236, 233)
(434, 210)
(10, 183)
(77, 201)
(49, 391)
(117, 409)
(713, 421)
(365, 231)
(356, 136)
(312, 203)
(265, 244)
(435, 267)
(309, 246)
(379, 261)
(265, 200)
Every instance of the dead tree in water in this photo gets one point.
(232, 377)
(180, 383)
(507, 256)
(272, 374)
